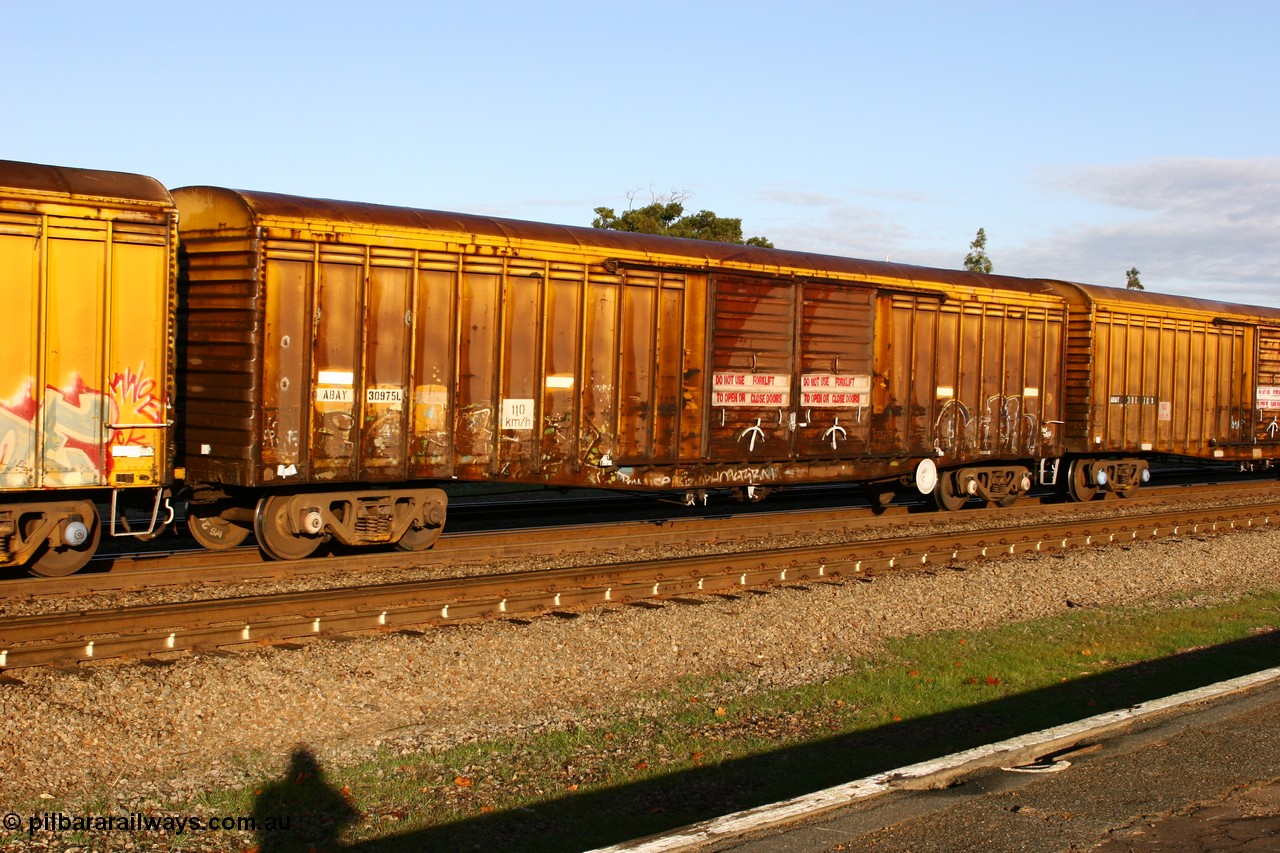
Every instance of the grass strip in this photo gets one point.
(722, 744)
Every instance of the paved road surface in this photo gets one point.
(1200, 778)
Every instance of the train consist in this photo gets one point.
(313, 370)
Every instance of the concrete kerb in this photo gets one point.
(934, 773)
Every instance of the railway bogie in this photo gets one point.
(290, 527)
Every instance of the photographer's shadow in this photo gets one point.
(301, 811)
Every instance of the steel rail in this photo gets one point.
(150, 630)
(246, 564)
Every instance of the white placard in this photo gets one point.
(749, 390)
(748, 399)
(334, 395)
(517, 414)
(335, 377)
(832, 400)
(834, 391)
(384, 395)
(728, 381)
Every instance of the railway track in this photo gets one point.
(734, 523)
(157, 630)
(158, 569)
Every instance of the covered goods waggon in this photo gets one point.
(337, 362)
(1149, 375)
(331, 344)
(87, 278)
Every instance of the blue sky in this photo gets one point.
(1084, 137)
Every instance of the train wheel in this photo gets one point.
(51, 562)
(945, 494)
(418, 538)
(214, 532)
(1078, 482)
(271, 524)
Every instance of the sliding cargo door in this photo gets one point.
(753, 362)
(791, 369)
(311, 362)
(837, 323)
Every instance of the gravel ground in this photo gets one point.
(135, 735)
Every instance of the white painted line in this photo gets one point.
(786, 811)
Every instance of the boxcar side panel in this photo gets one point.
(336, 333)
(519, 365)
(84, 365)
(668, 368)
(141, 336)
(476, 415)
(980, 380)
(637, 368)
(598, 431)
(1171, 384)
(384, 406)
(907, 373)
(561, 383)
(435, 319)
(20, 378)
(19, 363)
(74, 406)
(285, 364)
(695, 378)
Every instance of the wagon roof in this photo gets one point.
(198, 204)
(1149, 302)
(208, 207)
(82, 184)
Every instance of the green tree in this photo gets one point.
(1132, 281)
(977, 260)
(666, 216)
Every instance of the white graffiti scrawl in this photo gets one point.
(17, 440)
(71, 443)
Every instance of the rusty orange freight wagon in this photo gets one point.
(1150, 374)
(343, 357)
(87, 271)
